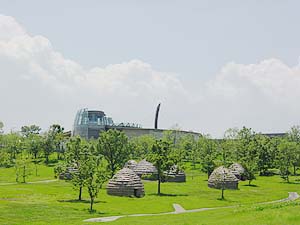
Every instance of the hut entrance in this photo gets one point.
(136, 192)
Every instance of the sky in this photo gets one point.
(213, 65)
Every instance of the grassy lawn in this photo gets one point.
(55, 203)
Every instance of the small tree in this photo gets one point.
(113, 145)
(57, 133)
(22, 167)
(1, 127)
(294, 136)
(208, 154)
(142, 146)
(77, 155)
(13, 144)
(96, 176)
(285, 158)
(161, 157)
(26, 131)
(34, 144)
(265, 156)
(247, 152)
(48, 146)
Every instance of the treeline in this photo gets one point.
(95, 161)
(28, 146)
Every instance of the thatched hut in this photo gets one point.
(145, 168)
(68, 173)
(130, 164)
(125, 183)
(174, 175)
(222, 178)
(238, 170)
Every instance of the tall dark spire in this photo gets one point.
(156, 116)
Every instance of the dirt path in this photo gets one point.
(178, 209)
(32, 182)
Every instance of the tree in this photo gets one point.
(228, 147)
(13, 144)
(285, 157)
(113, 145)
(48, 146)
(34, 144)
(176, 151)
(96, 175)
(161, 157)
(208, 154)
(22, 166)
(26, 131)
(77, 155)
(1, 127)
(188, 144)
(294, 136)
(187, 149)
(265, 155)
(142, 146)
(247, 152)
(57, 133)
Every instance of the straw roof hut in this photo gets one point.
(130, 164)
(238, 170)
(68, 173)
(144, 168)
(222, 177)
(174, 175)
(125, 183)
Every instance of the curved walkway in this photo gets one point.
(32, 182)
(178, 209)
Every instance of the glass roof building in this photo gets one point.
(89, 123)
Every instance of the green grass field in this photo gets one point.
(55, 202)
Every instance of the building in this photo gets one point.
(89, 123)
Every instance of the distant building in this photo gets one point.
(89, 123)
(272, 135)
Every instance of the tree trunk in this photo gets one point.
(36, 170)
(222, 197)
(80, 192)
(158, 184)
(294, 170)
(91, 206)
(158, 187)
(24, 174)
(112, 167)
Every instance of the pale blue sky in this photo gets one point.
(191, 38)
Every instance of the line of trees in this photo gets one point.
(30, 146)
(95, 161)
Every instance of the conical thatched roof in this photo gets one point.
(144, 167)
(174, 175)
(130, 164)
(238, 170)
(222, 177)
(125, 183)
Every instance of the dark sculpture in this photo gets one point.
(156, 116)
